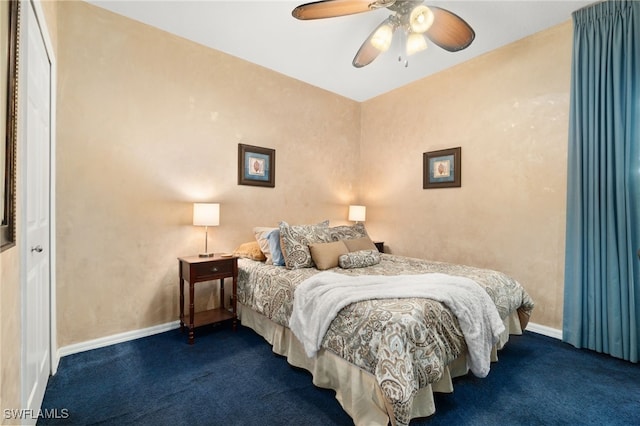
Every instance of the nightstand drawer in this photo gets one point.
(212, 270)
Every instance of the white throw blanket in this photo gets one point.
(317, 301)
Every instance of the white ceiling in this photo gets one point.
(320, 52)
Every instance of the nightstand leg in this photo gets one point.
(191, 314)
(181, 284)
(221, 293)
(234, 299)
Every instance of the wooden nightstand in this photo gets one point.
(196, 269)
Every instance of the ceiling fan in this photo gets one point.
(412, 19)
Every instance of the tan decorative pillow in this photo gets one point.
(250, 250)
(325, 255)
(261, 232)
(357, 244)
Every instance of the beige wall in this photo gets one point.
(9, 330)
(508, 111)
(149, 123)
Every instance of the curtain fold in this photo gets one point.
(602, 265)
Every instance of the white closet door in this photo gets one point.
(36, 359)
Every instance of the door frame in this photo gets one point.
(24, 250)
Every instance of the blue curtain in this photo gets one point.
(602, 268)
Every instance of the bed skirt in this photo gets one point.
(357, 391)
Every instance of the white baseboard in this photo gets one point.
(544, 330)
(116, 338)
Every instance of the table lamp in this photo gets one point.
(357, 213)
(206, 214)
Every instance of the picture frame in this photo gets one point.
(256, 166)
(9, 24)
(442, 169)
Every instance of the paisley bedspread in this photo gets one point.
(405, 343)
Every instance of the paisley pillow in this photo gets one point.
(345, 232)
(359, 259)
(295, 240)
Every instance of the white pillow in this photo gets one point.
(261, 232)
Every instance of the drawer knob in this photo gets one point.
(214, 269)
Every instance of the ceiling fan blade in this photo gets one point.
(333, 8)
(368, 51)
(449, 31)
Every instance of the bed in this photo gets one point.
(384, 356)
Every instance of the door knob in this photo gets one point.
(37, 249)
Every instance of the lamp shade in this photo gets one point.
(415, 43)
(357, 213)
(420, 19)
(206, 214)
(382, 37)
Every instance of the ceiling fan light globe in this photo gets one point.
(415, 43)
(381, 39)
(420, 19)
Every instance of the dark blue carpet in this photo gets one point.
(229, 378)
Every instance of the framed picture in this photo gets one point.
(441, 169)
(256, 166)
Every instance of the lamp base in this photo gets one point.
(205, 255)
